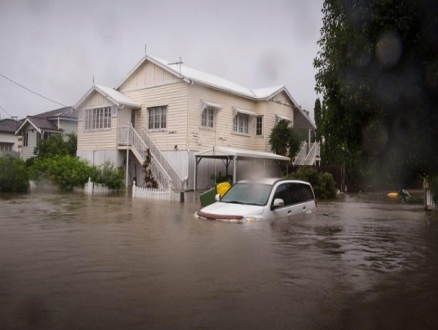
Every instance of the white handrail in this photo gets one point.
(129, 136)
(161, 158)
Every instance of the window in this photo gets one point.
(26, 139)
(306, 192)
(38, 137)
(283, 193)
(157, 118)
(208, 117)
(240, 123)
(99, 118)
(259, 126)
(5, 147)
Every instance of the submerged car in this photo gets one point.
(261, 199)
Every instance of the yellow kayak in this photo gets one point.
(392, 194)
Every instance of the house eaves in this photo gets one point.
(116, 97)
(39, 124)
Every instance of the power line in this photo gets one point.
(5, 111)
(29, 90)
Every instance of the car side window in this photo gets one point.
(283, 193)
(294, 193)
(306, 192)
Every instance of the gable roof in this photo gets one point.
(39, 124)
(191, 75)
(9, 125)
(111, 94)
(47, 121)
(63, 113)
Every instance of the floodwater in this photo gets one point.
(70, 261)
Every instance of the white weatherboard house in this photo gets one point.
(196, 125)
(9, 142)
(40, 126)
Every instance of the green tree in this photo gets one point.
(13, 174)
(283, 140)
(56, 144)
(378, 74)
(318, 119)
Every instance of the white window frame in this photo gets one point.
(157, 118)
(97, 118)
(241, 120)
(241, 124)
(259, 126)
(208, 117)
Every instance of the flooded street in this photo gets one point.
(70, 261)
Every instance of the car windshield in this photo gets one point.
(248, 193)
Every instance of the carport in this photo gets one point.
(228, 155)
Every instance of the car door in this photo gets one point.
(282, 191)
(307, 197)
(297, 205)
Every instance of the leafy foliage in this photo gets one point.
(283, 140)
(13, 174)
(149, 179)
(57, 144)
(107, 175)
(378, 74)
(323, 184)
(66, 171)
(318, 119)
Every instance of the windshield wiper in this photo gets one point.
(234, 202)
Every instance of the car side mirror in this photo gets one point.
(278, 202)
(217, 197)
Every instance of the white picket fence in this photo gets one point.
(154, 193)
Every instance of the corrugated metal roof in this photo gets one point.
(119, 98)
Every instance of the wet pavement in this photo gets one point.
(70, 261)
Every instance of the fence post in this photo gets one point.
(133, 189)
(89, 186)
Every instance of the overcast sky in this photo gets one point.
(54, 48)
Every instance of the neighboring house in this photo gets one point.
(34, 128)
(182, 115)
(9, 142)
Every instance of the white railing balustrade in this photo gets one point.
(177, 180)
(128, 136)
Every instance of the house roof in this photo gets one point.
(40, 124)
(197, 76)
(191, 75)
(47, 121)
(9, 125)
(226, 152)
(112, 95)
(64, 113)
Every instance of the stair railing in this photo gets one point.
(128, 136)
(161, 158)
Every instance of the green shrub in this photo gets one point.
(68, 172)
(107, 175)
(323, 184)
(13, 174)
(65, 172)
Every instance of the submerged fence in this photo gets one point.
(154, 193)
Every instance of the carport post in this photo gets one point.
(234, 169)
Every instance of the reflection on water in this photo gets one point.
(111, 262)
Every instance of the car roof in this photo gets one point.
(272, 181)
